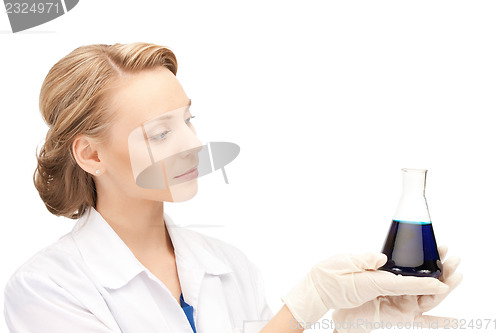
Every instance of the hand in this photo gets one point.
(347, 281)
(403, 310)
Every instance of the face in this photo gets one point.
(152, 141)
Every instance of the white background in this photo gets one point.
(327, 100)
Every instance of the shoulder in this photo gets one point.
(53, 262)
(56, 283)
(37, 277)
(51, 293)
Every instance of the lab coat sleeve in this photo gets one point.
(264, 312)
(35, 303)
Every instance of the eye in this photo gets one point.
(159, 137)
(189, 119)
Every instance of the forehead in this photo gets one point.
(142, 96)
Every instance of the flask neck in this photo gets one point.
(413, 205)
(414, 182)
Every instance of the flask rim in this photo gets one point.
(413, 170)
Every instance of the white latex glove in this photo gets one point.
(349, 280)
(405, 311)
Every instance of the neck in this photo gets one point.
(139, 223)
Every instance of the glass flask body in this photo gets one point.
(410, 245)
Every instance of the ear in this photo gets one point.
(86, 154)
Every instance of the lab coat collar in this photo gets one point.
(114, 264)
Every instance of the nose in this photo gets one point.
(190, 144)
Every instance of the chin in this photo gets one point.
(184, 191)
(177, 193)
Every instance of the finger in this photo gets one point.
(348, 320)
(450, 266)
(388, 284)
(443, 251)
(425, 321)
(428, 302)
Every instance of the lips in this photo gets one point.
(192, 169)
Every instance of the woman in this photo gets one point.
(120, 143)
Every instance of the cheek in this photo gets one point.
(118, 163)
(124, 161)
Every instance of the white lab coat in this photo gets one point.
(90, 281)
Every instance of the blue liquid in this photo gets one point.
(411, 249)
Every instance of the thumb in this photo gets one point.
(368, 261)
(350, 263)
(381, 260)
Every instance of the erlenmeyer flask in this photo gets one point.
(410, 246)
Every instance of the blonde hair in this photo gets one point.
(73, 102)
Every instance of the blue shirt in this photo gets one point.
(188, 310)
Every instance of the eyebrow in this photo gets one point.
(168, 115)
